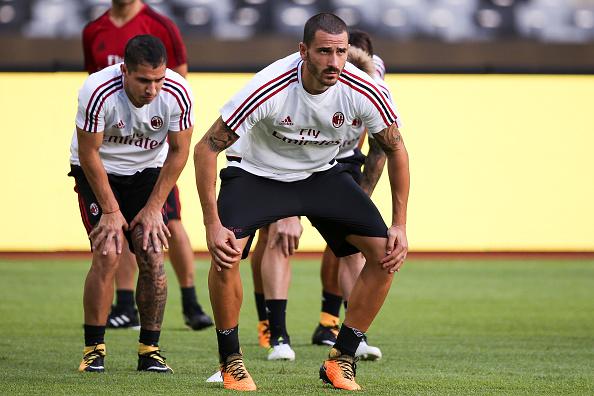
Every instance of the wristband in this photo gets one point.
(113, 211)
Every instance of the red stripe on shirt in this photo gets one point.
(368, 97)
(188, 98)
(262, 101)
(92, 96)
(118, 88)
(258, 90)
(372, 86)
(181, 118)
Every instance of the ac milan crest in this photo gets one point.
(337, 119)
(94, 209)
(156, 122)
(357, 122)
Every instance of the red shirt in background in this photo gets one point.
(104, 43)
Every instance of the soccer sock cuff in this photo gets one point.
(149, 337)
(261, 306)
(94, 335)
(125, 298)
(331, 303)
(348, 340)
(228, 340)
(277, 310)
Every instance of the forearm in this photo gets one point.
(399, 175)
(205, 165)
(373, 167)
(95, 174)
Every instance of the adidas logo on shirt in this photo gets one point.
(119, 125)
(287, 121)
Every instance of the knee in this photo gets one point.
(107, 264)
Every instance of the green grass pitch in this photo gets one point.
(447, 328)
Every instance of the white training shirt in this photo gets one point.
(380, 68)
(351, 140)
(288, 133)
(134, 138)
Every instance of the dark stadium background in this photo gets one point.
(433, 36)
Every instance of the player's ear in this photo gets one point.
(123, 68)
(303, 51)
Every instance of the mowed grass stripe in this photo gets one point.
(447, 328)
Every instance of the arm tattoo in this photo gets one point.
(220, 136)
(151, 291)
(374, 165)
(389, 139)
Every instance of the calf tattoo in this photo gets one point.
(151, 290)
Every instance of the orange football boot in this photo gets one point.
(264, 334)
(235, 375)
(339, 370)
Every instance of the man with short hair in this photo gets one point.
(104, 40)
(288, 169)
(133, 129)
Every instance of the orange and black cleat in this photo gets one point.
(339, 371)
(235, 375)
(93, 358)
(264, 334)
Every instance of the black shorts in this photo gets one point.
(353, 165)
(131, 192)
(173, 205)
(331, 200)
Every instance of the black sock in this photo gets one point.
(348, 340)
(94, 335)
(149, 337)
(189, 300)
(228, 340)
(125, 298)
(277, 310)
(345, 303)
(261, 306)
(331, 303)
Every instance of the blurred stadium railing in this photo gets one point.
(411, 35)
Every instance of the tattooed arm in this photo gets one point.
(374, 166)
(221, 241)
(390, 140)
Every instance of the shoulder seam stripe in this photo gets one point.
(117, 88)
(373, 87)
(94, 93)
(249, 108)
(97, 103)
(186, 101)
(184, 95)
(370, 99)
(183, 119)
(374, 97)
(258, 89)
(262, 101)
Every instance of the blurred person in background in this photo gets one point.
(133, 130)
(104, 40)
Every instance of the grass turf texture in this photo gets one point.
(447, 327)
